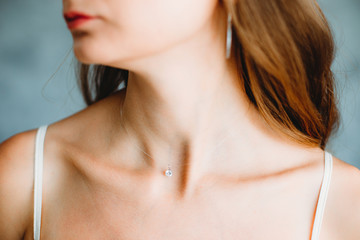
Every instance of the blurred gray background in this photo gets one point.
(37, 84)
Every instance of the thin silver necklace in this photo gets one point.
(168, 172)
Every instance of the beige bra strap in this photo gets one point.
(323, 196)
(38, 172)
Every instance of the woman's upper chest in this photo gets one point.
(87, 208)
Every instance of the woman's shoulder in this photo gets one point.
(342, 211)
(16, 182)
(63, 138)
(17, 155)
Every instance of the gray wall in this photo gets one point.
(37, 84)
(344, 17)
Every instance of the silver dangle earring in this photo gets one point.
(228, 37)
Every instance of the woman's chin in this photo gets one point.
(88, 57)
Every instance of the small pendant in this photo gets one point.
(168, 172)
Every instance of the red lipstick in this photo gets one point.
(74, 19)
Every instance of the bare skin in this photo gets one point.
(184, 97)
(86, 196)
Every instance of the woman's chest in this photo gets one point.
(268, 212)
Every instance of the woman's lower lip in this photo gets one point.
(77, 22)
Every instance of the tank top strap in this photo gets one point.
(38, 175)
(323, 196)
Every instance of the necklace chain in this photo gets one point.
(168, 172)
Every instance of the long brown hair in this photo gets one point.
(283, 51)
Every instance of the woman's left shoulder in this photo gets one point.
(343, 203)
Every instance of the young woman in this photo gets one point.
(220, 132)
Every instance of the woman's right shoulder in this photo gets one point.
(16, 183)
